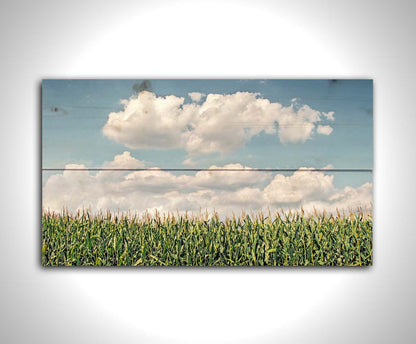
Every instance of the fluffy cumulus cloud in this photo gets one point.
(196, 96)
(124, 160)
(225, 192)
(219, 124)
(324, 130)
(300, 187)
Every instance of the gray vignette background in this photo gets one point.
(211, 39)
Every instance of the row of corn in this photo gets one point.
(293, 239)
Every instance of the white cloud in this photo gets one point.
(226, 192)
(189, 162)
(329, 115)
(196, 96)
(220, 124)
(297, 126)
(124, 160)
(300, 187)
(324, 129)
(228, 179)
(362, 196)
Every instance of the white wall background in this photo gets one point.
(187, 39)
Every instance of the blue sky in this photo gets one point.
(253, 123)
(75, 111)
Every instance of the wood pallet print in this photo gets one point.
(210, 172)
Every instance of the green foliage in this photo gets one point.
(285, 240)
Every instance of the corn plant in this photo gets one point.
(285, 239)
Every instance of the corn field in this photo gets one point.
(292, 239)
